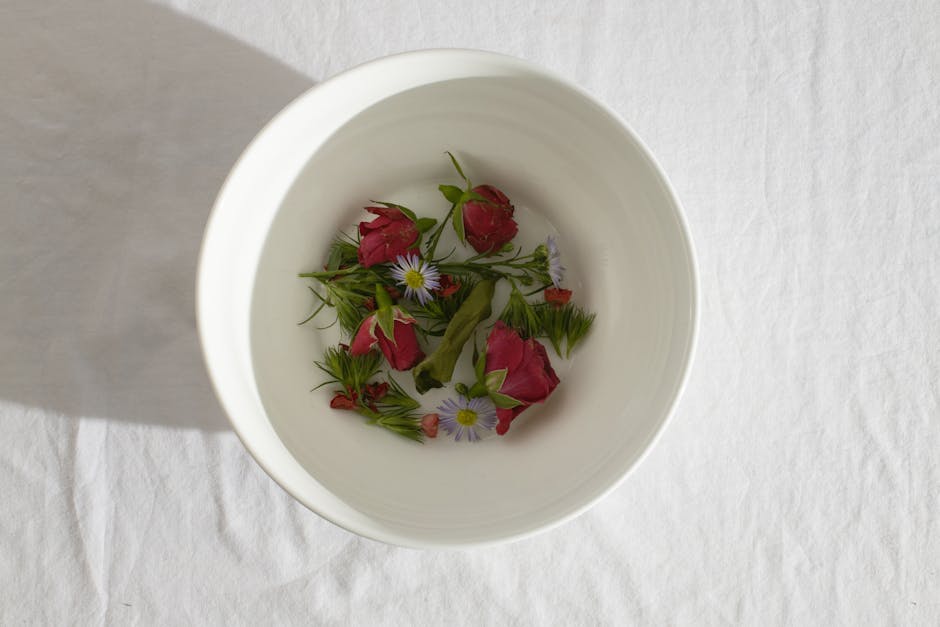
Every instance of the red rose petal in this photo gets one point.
(376, 391)
(365, 337)
(504, 418)
(448, 286)
(386, 237)
(503, 348)
(405, 353)
(342, 401)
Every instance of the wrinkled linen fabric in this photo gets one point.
(798, 482)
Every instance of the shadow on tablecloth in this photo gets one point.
(115, 143)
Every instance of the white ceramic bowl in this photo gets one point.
(380, 131)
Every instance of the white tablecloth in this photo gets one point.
(799, 482)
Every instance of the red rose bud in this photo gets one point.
(429, 424)
(557, 296)
(522, 370)
(448, 286)
(488, 224)
(391, 234)
(402, 353)
(344, 401)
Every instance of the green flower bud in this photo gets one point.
(541, 253)
(438, 367)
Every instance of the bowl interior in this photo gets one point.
(572, 170)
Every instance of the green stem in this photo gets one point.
(432, 246)
(509, 264)
(459, 267)
(539, 289)
(382, 299)
(473, 265)
(479, 269)
(329, 274)
(479, 256)
(354, 277)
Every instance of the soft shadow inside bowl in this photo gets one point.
(575, 168)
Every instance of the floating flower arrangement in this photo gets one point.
(406, 308)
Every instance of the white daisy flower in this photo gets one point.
(555, 270)
(467, 417)
(418, 276)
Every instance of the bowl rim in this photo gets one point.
(388, 64)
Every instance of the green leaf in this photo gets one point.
(425, 379)
(386, 320)
(405, 210)
(494, 380)
(504, 402)
(382, 299)
(440, 311)
(457, 167)
(451, 192)
(408, 212)
(478, 390)
(438, 367)
(425, 224)
(457, 221)
(479, 365)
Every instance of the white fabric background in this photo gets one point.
(799, 482)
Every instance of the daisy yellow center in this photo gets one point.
(467, 417)
(414, 279)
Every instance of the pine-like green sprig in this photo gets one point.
(349, 300)
(439, 311)
(343, 253)
(521, 315)
(568, 324)
(397, 412)
(348, 370)
(346, 286)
